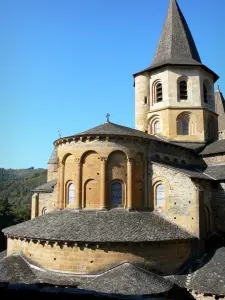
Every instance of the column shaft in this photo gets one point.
(129, 183)
(78, 186)
(61, 186)
(103, 183)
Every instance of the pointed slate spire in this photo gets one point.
(176, 44)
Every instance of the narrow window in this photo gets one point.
(71, 193)
(116, 194)
(183, 90)
(159, 95)
(205, 93)
(146, 100)
(185, 127)
(160, 195)
(44, 211)
(157, 128)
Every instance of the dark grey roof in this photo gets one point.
(99, 226)
(176, 45)
(210, 278)
(176, 42)
(47, 187)
(3, 254)
(130, 280)
(14, 269)
(54, 157)
(217, 172)
(109, 128)
(213, 148)
(188, 145)
(187, 170)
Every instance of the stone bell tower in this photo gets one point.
(174, 96)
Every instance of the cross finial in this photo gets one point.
(107, 117)
(59, 132)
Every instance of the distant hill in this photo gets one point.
(15, 194)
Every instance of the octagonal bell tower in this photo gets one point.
(174, 97)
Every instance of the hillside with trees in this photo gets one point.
(15, 195)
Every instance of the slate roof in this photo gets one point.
(3, 254)
(187, 170)
(109, 128)
(208, 279)
(14, 269)
(46, 188)
(129, 280)
(214, 148)
(99, 226)
(176, 45)
(217, 172)
(54, 157)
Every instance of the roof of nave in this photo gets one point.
(47, 187)
(214, 148)
(176, 45)
(116, 225)
(54, 157)
(210, 278)
(216, 171)
(128, 279)
(190, 171)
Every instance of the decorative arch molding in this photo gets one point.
(44, 211)
(155, 125)
(126, 153)
(186, 123)
(65, 157)
(86, 154)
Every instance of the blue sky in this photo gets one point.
(65, 63)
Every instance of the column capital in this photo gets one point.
(60, 164)
(103, 159)
(130, 160)
(77, 160)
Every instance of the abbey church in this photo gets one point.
(149, 198)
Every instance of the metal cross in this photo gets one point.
(107, 117)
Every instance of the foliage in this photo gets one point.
(15, 195)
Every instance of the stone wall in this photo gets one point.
(182, 205)
(218, 206)
(84, 258)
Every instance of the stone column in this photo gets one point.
(146, 189)
(130, 163)
(78, 184)
(34, 206)
(103, 183)
(61, 186)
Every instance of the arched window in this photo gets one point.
(44, 211)
(71, 194)
(160, 195)
(157, 127)
(183, 91)
(186, 124)
(116, 194)
(159, 94)
(205, 92)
